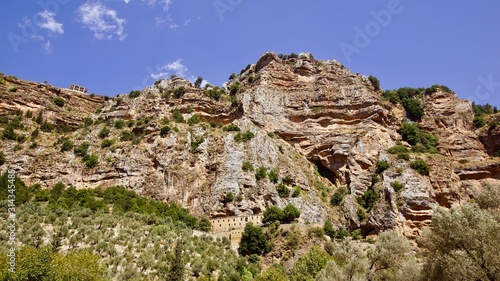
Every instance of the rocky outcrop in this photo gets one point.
(315, 123)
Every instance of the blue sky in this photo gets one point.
(114, 46)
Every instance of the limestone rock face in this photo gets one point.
(315, 124)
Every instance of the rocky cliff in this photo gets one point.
(314, 124)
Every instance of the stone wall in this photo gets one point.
(233, 227)
(232, 223)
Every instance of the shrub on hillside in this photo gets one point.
(134, 94)
(290, 213)
(368, 199)
(382, 166)
(283, 191)
(420, 166)
(272, 214)
(375, 82)
(253, 241)
(397, 186)
(243, 137)
(247, 166)
(59, 101)
(261, 173)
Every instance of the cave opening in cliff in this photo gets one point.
(325, 172)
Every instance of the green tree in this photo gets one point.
(382, 166)
(273, 273)
(204, 224)
(272, 214)
(198, 82)
(164, 131)
(462, 245)
(247, 166)
(420, 166)
(260, 173)
(414, 108)
(309, 265)
(59, 101)
(368, 199)
(350, 263)
(375, 82)
(283, 191)
(178, 268)
(392, 258)
(67, 145)
(253, 241)
(290, 213)
(104, 133)
(273, 176)
(78, 266)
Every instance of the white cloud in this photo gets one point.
(102, 21)
(47, 47)
(48, 22)
(177, 68)
(164, 3)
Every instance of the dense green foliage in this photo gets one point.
(382, 166)
(193, 120)
(214, 93)
(368, 199)
(375, 82)
(308, 266)
(271, 214)
(290, 213)
(282, 190)
(397, 186)
(273, 176)
(164, 131)
(104, 132)
(59, 101)
(463, 243)
(420, 166)
(107, 143)
(243, 137)
(99, 245)
(398, 149)
(247, 167)
(179, 92)
(417, 137)
(134, 94)
(261, 173)
(407, 98)
(45, 264)
(67, 145)
(253, 241)
(82, 149)
(274, 213)
(127, 136)
(177, 116)
(231, 128)
(90, 161)
(2, 158)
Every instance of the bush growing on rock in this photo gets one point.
(420, 166)
(243, 137)
(59, 101)
(272, 214)
(261, 173)
(368, 199)
(247, 167)
(382, 166)
(253, 241)
(282, 190)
